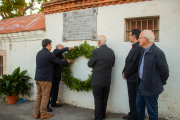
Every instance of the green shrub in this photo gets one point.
(16, 83)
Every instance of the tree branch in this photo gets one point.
(28, 7)
(3, 16)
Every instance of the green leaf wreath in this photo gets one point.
(71, 82)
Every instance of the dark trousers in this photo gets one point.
(100, 99)
(132, 92)
(54, 91)
(151, 102)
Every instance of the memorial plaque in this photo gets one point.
(80, 25)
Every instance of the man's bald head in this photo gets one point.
(102, 39)
(146, 38)
(102, 36)
(149, 35)
(59, 46)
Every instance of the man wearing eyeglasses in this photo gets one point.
(130, 72)
(153, 74)
(56, 77)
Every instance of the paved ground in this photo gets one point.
(25, 111)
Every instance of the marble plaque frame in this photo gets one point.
(80, 25)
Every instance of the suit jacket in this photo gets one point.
(131, 63)
(102, 60)
(56, 67)
(44, 65)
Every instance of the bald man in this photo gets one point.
(56, 77)
(102, 60)
(153, 74)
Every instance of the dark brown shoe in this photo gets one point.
(37, 116)
(47, 116)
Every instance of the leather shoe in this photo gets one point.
(47, 116)
(37, 116)
(49, 109)
(56, 105)
(126, 117)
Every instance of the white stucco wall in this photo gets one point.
(111, 23)
(21, 49)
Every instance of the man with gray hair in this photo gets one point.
(102, 60)
(56, 77)
(153, 74)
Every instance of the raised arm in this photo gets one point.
(61, 51)
(54, 59)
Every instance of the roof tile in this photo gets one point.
(23, 23)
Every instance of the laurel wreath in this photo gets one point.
(71, 82)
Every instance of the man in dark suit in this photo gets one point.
(153, 74)
(56, 77)
(130, 72)
(44, 77)
(102, 60)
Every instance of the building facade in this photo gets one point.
(115, 18)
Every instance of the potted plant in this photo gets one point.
(13, 85)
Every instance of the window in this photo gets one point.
(2, 62)
(150, 23)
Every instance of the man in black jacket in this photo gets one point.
(130, 72)
(153, 74)
(102, 60)
(44, 77)
(56, 76)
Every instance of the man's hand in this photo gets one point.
(123, 76)
(70, 61)
(71, 48)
